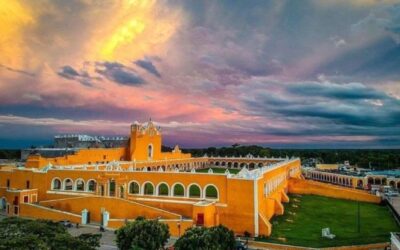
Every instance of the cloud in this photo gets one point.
(119, 73)
(334, 90)
(148, 66)
(70, 73)
(351, 104)
(18, 71)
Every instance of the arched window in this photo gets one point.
(150, 151)
(134, 188)
(178, 190)
(211, 192)
(80, 185)
(148, 189)
(163, 189)
(68, 184)
(56, 184)
(92, 186)
(194, 191)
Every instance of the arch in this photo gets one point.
(68, 184)
(242, 164)
(56, 184)
(229, 165)
(398, 185)
(134, 187)
(150, 151)
(178, 189)
(384, 181)
(194, 191)
(211, 192)
(223, 164)
(260, 164)
(3, 204)
(377, 181)
(148, 188)
(360, 183)
(80, 185)
(217, 163)
(91, 185)
(235, 165)
(162, 189)
(392, 183)
(148, 169)
(370, 180)
(252, 165)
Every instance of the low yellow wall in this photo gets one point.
(118, 208)
(38, 212)
(299, 186)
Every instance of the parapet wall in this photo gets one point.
(118, 208)
(39, 212)
(299, 186)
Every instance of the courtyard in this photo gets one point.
(305, 216)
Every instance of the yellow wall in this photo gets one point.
(299, 186)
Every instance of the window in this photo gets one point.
(112, 188)
(26, 199)
(80, 185)
(27, 184)
(148, 189)
(92, 186)
(8, 183)
(194, 191)
(68, 184)
(211, 192)
(150, 151)
(163, 189)
(56, 185)
(179, 190)
(134, 188)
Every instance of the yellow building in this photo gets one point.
(110, 186)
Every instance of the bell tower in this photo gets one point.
(145, 142)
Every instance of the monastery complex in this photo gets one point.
(109, 186)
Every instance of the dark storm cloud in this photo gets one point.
(351, 104)
(70, 73)
(338, 91)
(148, 66)
(119, 73)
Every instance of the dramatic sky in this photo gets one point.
(311, 73)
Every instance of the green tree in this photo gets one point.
(142, 234)
(16, 233)
(201, 238)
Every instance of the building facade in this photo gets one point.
(111, 186)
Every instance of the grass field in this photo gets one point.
(218, 170)
(306, 215)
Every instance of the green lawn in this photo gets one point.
(306, 215)
(218, 170)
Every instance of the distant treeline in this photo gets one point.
(11, 154)
(366, 158)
